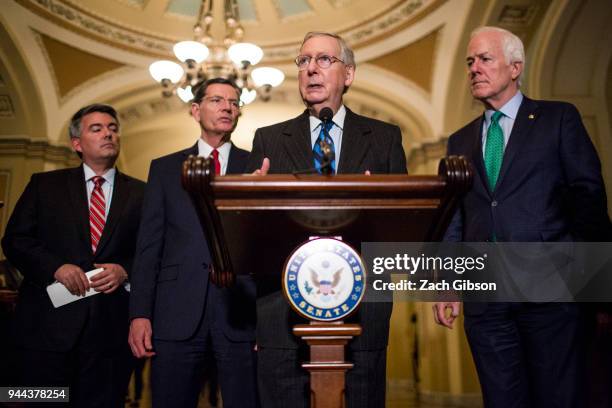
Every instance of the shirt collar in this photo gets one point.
(510, 109)
(338, 119)
(204, 149)
(109, 176)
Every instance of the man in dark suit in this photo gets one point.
(68, 222)
(360, 145)
(537, 178)
(178, 316)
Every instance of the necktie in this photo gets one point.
(97, 212)
(215, 155)
(317, 150)
(494, 150)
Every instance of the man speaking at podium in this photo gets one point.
(344, 143)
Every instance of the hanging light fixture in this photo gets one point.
(204, 58)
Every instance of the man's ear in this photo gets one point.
(349, 75)
(76, 144)
(195, 111)
(517, 69)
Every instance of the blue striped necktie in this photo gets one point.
(317, 150)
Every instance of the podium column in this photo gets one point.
(327, 365)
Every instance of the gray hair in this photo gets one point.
(74, 130)
(346, 53)
(512, 46)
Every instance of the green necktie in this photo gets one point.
(494, 150)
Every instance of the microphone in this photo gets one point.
(326, 115)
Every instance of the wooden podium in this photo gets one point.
(267, 217)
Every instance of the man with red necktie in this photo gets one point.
(66, 223)
(177, 316)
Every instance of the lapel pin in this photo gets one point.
(531, 116)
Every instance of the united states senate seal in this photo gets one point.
(324, 280)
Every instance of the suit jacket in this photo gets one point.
(549, 188)
(367, 144)
(170, 281)
(50, 227)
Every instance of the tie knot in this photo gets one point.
(496, 116)
(98, 181)
(215, 154)
(328, 126)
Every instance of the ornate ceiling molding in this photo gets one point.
(38, 149)
(96, 27)
(58, 54)
(62, 97)
(69, 15)
(7, 110)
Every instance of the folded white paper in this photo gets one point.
(61, 296)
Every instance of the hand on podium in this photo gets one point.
(263, 170)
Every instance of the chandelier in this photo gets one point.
(205, 58)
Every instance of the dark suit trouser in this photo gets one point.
(97, 376)
(528, 355)
(283, 383)
(177, 369)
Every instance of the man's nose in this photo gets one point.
(312, 66)
(109, 132)
(474, 67)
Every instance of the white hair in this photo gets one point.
(346, 53)
(512, 46)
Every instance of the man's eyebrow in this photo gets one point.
(102, 124)
(479, 55)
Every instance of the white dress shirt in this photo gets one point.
(205, 150)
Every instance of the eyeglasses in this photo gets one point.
(323, 61)
(218, 101)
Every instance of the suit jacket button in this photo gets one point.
(494, 203)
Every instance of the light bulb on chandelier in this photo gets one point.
(203, 58)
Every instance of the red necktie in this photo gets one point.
(97, 212)
(215, 155)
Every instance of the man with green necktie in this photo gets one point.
(537, 178)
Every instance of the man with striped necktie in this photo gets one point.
(68, 222)
(355, 144)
